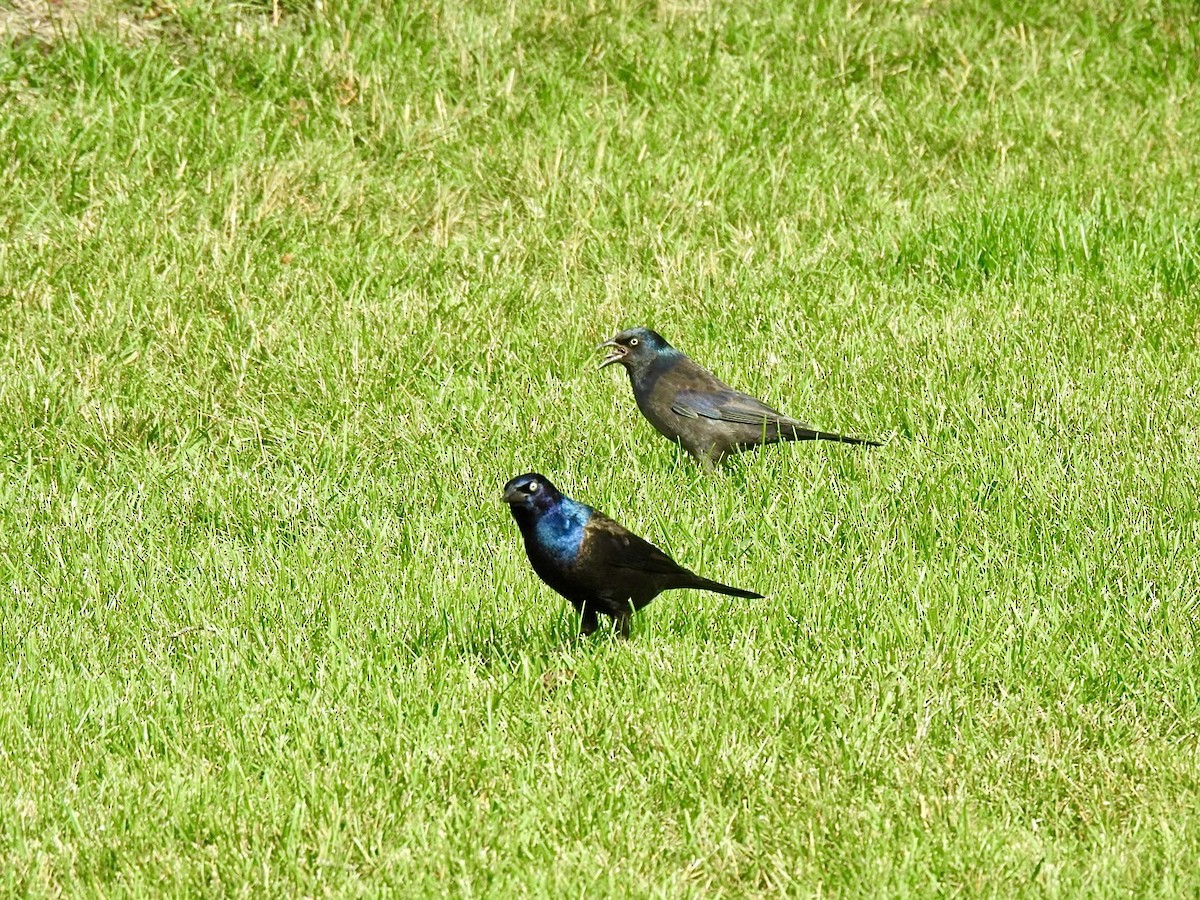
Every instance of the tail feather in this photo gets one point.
(707, 584)
(805, 433)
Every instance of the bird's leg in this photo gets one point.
(623, 623)
(704, 458)
(587, 621)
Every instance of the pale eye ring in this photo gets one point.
(534, 487)
(633, 342)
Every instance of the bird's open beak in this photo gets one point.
(615, 353)
(512, 495)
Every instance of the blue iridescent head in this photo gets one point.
(635, 349)
(531, 494)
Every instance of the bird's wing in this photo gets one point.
(609, 543)
(726, 406)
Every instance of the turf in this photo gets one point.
(288, 292)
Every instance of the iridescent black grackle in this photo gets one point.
(597, 564)
(688, 404)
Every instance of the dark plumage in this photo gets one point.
(688, 404)
(597, 564)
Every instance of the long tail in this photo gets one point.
(707, 584)
(799, 432)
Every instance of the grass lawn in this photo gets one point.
(287, 293)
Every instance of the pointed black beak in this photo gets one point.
(615, 353)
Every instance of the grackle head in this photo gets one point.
(531, 492)
(634, 349)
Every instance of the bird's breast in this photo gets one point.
(560, 536)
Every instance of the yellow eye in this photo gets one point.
(633, 342)
(534, 487)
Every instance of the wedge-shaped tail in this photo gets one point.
(707, 584)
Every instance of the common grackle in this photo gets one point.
(596, 563)
(688, 404)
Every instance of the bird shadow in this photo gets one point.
(509, 645)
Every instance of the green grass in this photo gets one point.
(283, 305)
